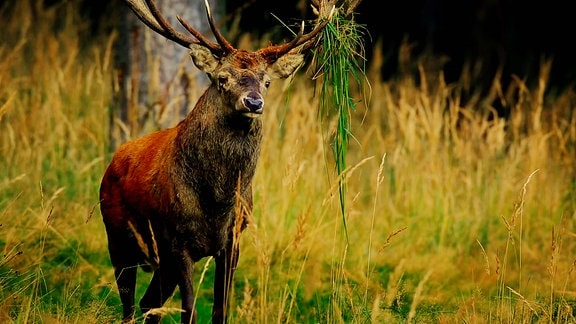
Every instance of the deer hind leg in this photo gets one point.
(226, 263)
(125, 262)
(126, 283)
(160, 289)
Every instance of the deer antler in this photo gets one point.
(272, 53)
(324, 10)
(347, 7)
(225, 46)
(147, 11)
(149, 14)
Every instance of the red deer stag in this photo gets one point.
(170, 198)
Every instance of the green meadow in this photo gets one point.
(452, 214)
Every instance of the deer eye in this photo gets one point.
(267, 83)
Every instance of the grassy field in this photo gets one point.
(454, 215)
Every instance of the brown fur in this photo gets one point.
(168, 199)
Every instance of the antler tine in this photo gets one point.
(351, 5)
(213, 47)
(321, 8)
(226, 46)
(149, 14)
(272, 53)
(169, 31)
(218, 49)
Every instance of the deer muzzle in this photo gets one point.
(253, 106)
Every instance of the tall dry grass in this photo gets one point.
(54, 96)
(453, 213)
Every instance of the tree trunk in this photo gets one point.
(156, 84)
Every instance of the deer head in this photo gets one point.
(228, 66)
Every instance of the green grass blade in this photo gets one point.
(340, 61)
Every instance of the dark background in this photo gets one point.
(514, 35)
(511, 34)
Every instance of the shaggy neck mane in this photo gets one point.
(213, 152)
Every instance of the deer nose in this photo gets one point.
(254, 104)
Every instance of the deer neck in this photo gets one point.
(213, 114)
(215, 148)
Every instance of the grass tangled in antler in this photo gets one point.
(340, 61)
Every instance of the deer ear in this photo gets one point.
(203, 58)
(285, 65)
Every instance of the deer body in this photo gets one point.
(185, 178)
(174, 191)
(170, 198)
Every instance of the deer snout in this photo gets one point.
(254, 105)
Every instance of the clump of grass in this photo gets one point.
(339, 62)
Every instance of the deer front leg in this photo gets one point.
(126, 282)
(187, 288)
(226, 262)
(160, 289)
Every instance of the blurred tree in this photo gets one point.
(153, 82)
